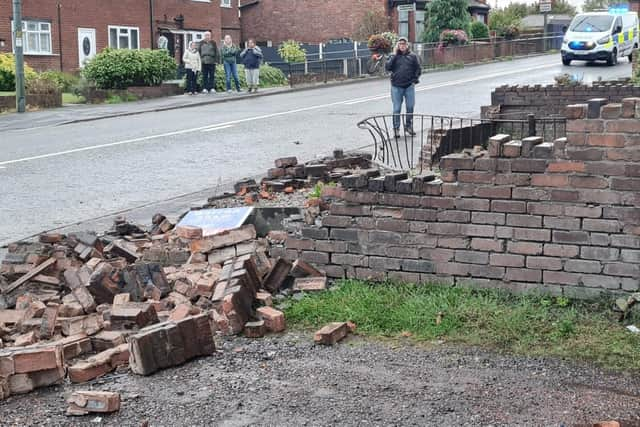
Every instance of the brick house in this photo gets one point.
(317, 21)
(61, 35)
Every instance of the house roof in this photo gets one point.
(475, 4)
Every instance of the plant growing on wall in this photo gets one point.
(291, 51)
(446, 15)
(373, 22)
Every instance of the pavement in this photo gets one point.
(77, 167)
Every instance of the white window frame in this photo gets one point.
(225, 3)
(118, 28)
(26, 46)
(193, 36)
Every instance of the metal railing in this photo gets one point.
(436, 136)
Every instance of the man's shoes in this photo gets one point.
(409, 131)
(396, 133)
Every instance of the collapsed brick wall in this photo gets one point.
(514, 102)
(560, 217)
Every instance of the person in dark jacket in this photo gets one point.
(405, 73)
(209, 57)
(251, 58)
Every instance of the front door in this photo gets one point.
(86, 45)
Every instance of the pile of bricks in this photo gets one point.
(80, 306)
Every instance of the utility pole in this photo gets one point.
(19, 48)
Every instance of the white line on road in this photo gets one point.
(218, 126)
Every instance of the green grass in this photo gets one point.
(71, 98)
(529, 325)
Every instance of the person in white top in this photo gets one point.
(193, 65)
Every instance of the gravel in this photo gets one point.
(287, 381)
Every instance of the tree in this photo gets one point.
(446, 15)
(562, 7)
(518, 9)
(501, 21)
(373, 22)
(591, 5)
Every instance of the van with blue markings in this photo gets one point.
(601, 36)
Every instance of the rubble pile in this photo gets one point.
(80, 306)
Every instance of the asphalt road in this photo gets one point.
(82, 173)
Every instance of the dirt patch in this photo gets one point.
(286, 380)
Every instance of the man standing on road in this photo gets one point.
(405, 73)
(209, 57)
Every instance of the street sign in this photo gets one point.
(407, 7)
(545, 6)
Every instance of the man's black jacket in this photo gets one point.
(405, 69)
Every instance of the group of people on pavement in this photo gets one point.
(204, 56)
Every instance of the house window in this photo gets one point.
(420, 16)
(36, 37)
(193, 36)
(124, 37)
(403, 23)
(225, 3)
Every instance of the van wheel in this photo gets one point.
(613, 58)
(566, 61)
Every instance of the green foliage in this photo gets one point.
(478, 30)
(8, 72)
(531, 325)
(291, 51)
(66, 81)
(591, 5)
(446, 15)
(373, 22)
(43, 84)
(504, 23)
(560, 7)
(118, 99)
(121, 68)
(269, 77)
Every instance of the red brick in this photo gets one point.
(611, 111)
(625, 184)
(331, 333)
(523, 275)
(490, 245)
(582, 266)
(306, 244)
(564, 195)
(517, 220)
(624, 126)
(583, 211)
(85, 402)
(606, 140)
(536, 208)
(602, 225)
(544, 263)
(528, 193)
(488, 218)
(561, 278)
(255, 329)
(585, 125)
(549, 180)
(565, 251)
(493, 192)
(534, 234)
(576, 111)
(490, 272)
(622, 269)
(564, 167)
(519, 179)
(273, 319)
(437, 255)
(551, 222)
(524, 248)
(507, 260)
(508, 206)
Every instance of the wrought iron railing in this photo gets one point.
(436, 136)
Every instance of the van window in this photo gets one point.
(629, 20)
(591, 23)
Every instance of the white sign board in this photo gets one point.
(407, 7)
(545, 6)
(215, 221)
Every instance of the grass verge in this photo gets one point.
(528, 325)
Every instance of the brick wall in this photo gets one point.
(561, 217)
(230, 22)
(307, 21)
(551, 99)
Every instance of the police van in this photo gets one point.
(601, 36)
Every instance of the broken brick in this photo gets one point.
(273, 319)
(331, 333)
(310, 284)
(277, 275)
(85, 402)
(255, 329)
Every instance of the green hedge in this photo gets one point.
(8, 72)
(121, 68)
(269, 77)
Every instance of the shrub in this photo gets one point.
(379, 43)
(291, 51)
(66, 81)
(446, 15)
(121, 68)
(43, 84)
(8, 72)
(478, 30)
(504, 23)
(456, 37)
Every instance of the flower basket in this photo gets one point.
(453, 37)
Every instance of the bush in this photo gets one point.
(291, 51)
(384, 42)
(8, 72)
(269, 77)
(121, 68)
(504, 23)
(446, 15)
(43, 84)
(455, 37)
(478, 30)
(66, 81)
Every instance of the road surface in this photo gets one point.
(83, 173)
